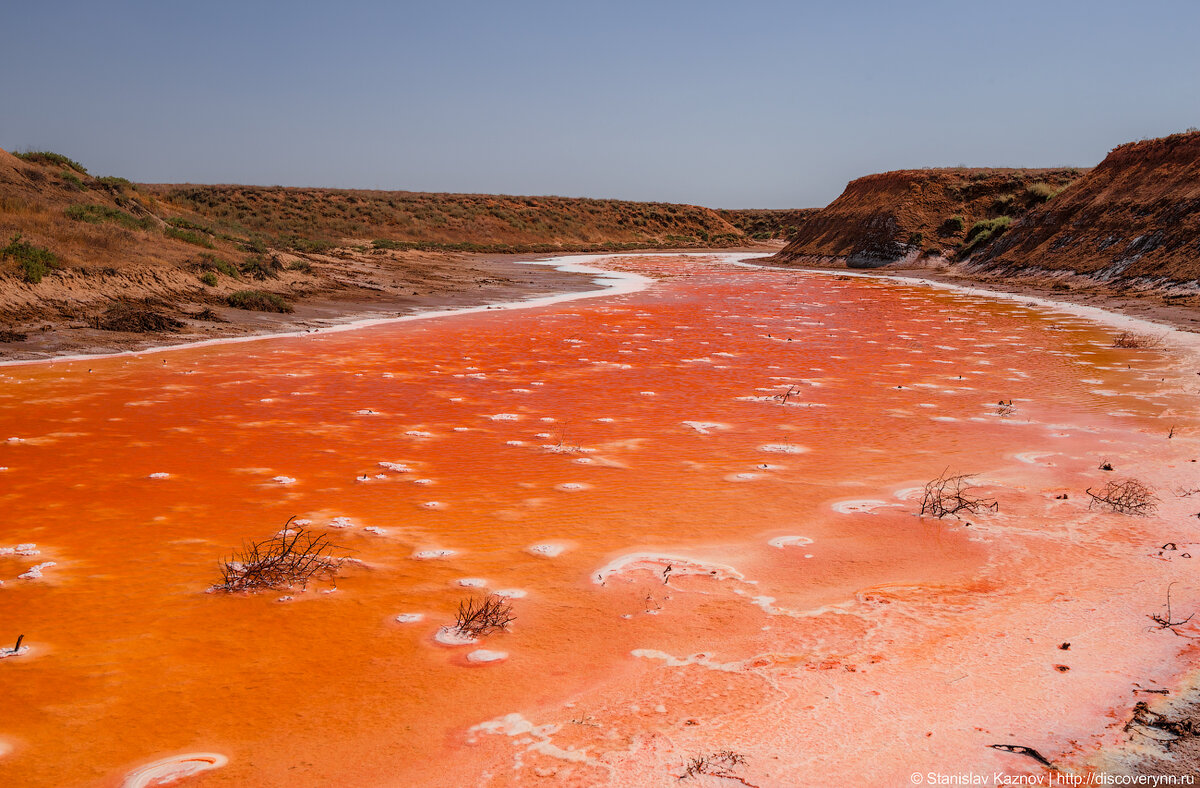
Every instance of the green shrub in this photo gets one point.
(305, 245)
(1040, 192)
(209, 278)
(303, 266)
(915, 239)
(259, 267)
(254, 246)
(214, 263)
(35, 261)
(983, 231)
(73, 181)
(952, 226)
(186, 224)
(49, 157)
(97, 214)
(115, 183)
(258, 301)
(189, 236)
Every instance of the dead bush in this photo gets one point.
(949, 495)
(290, 559)
(137, 318)
(718, 764)
(483, 615)
(1128, 496)
(1128, 339)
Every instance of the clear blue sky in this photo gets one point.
(746, 104)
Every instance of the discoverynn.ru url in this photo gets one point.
(1050, 779)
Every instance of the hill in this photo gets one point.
(901, 215)
(1135, 216)
(103, 262)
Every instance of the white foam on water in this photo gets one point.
(572, 486)
(471, 582)
(432, 555)
(159, 475)
(657, 563)
(783, 448)
(789, 541)
(546, 550)
(483, 655)
(35, 572)
(504, 417)
(410, 618)
(701, 660)
(173, 769)
(705, 427)
(453, 636)
(284, 479)
(373, 529)
(435, 505)
(395, 467)
(341, 522)
(745, 476)
(865, 506)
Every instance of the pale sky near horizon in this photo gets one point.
(751, 104)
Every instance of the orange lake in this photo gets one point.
(565, 455)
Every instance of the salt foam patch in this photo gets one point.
(860, 506)
(783, 448)
(484, 655)
(705, 427)
(453, 636)
(658, 564)
(410, 618)
(169, 770)
(547, 550)
(789, 541)
(430, 555)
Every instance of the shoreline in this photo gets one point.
(485, 281)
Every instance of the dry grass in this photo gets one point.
(1128, 339)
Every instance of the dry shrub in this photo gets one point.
(951, 495)
(140, 319)
(718, 764)
(1128, 496)
(483, 615)
(1127, 339)
(290, 559)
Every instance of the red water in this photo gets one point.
(889, 644)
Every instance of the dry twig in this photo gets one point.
(950, 495)
(1128, 496)
(483, 615)
(290, 559)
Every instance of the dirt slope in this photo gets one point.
(1134, 216)
(892, 216)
